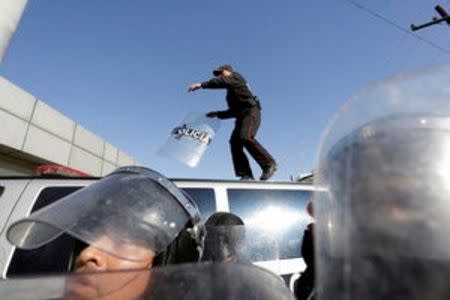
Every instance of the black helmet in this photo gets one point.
(132, 204)
(225, 234)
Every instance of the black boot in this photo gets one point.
(268, 172)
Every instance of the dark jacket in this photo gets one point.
(304, 285)
(239, 97)
(308, 248)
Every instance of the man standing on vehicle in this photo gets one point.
(246, 109)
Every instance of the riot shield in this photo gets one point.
(189, 281)
(254, 244)
(188, 142)
(383, 224)
(240, 243)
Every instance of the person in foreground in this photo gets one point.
(382, 211)
(132, 219)
(246, 109)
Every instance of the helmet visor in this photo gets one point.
(131, 209)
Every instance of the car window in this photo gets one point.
(205, 200)
(279, 215)
(53, 257)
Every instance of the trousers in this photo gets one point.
(243, 137)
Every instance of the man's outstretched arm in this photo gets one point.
(221, 82)
(194, 87)
(222, 114)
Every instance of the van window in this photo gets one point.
(53, 257)
(278, 215)
(205, 200)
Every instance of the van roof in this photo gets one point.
(198, 180)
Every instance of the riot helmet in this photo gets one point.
(131, 206)
(224, 239)
(383, 206)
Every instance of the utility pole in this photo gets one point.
(445, 17)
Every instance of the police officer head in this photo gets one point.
(223, 70)
(383, 209)
(225, 233)
(132, 218)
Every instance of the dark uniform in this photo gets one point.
(304, 285)
(245, 108)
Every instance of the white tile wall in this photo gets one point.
(85, 162)
(12, 130)
(50, 134)
(48, 118)
(15, 100)
(88, 141)
(47, 146)
(107, 168)
(111, 153)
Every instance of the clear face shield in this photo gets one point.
(132, 213)
(225, 244)
(383, 213)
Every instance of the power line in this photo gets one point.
(399, 27)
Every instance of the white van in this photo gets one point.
(277, 207)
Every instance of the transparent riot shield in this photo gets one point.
(383, 212)
(201, 281)
(254, 244)
(239, 243)
(188, 142)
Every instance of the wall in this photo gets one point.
(31, 127)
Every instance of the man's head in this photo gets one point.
(89, 258)
(225, 233)
(132, 219)
(133, 214)
(223, 70)
(88, 283)
(223, 219)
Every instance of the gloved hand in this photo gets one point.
(194, 87)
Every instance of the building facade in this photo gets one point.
(33, 133)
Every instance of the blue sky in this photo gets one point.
(121, 68)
